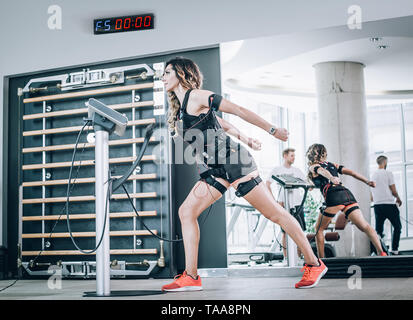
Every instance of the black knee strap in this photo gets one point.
(216, 184)
(247, 186)
(351, 210)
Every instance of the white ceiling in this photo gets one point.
(283, 65)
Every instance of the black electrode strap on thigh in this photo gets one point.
(216, 184)
(247, 186)
(351, 210)
(326, 214)
(214, 101)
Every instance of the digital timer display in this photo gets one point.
(123, 24)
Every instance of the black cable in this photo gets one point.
(63, 208)
(210, 207)
(304, 198)
(278, 198)
(136, 212)
(321, 220)
(58, 219)
(9, 285)
(68, 195)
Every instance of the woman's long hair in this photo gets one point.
(190, 77)
(314, 154)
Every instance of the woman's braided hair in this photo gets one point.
(314, 154)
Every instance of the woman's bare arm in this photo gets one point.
(245, 114)
(233, 131)
(322, 172)
(395, 194)
(358, 176)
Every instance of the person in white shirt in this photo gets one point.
(296, 196)
(383, 197)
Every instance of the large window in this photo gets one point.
(390, 130)
(247, 230)
(391, 133)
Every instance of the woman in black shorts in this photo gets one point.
(337, 197)
(222, 163)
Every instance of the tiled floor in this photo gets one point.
(225, 288)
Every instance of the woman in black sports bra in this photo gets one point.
(325, 175)
(222, 163)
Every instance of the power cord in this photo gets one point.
(278, 198)
(9, 285)
(68, 195)
(63, 208)
(143, 223)
(31, 262)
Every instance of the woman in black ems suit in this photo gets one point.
(337, 197)
(222, 163)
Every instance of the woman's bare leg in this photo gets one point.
(200, 198)
(261, 199)
(356, 217)
(321, 225)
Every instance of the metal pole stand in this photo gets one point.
(291, 246)
(101, 185)
(105, 121)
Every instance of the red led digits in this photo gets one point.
(147, 21)
(122, 24)
(126, 25)
(140, 22)
(118, 24)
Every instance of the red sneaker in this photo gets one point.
(312, 275)
(184, 282)
(383, 254)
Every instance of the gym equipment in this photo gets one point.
(88, 78)
(253, 255)
(288, 183)
(113, 121)
(105, 121)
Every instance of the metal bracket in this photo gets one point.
(89, 78)
(87, 269)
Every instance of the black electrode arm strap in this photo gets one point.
(214, 101)
(118, 182)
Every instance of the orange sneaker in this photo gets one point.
(312, 275)
(383, 254)
(184, 282)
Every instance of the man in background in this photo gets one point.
(383, 196)
(296, 197)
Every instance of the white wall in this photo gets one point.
(28, 45)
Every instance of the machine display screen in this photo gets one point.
(123, 24)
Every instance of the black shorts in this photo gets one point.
(339, 195)
(238, 163)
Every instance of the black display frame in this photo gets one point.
(113, 25)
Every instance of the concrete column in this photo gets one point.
(342, 118)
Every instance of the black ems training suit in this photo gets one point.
(218, 155)
(334, 194)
